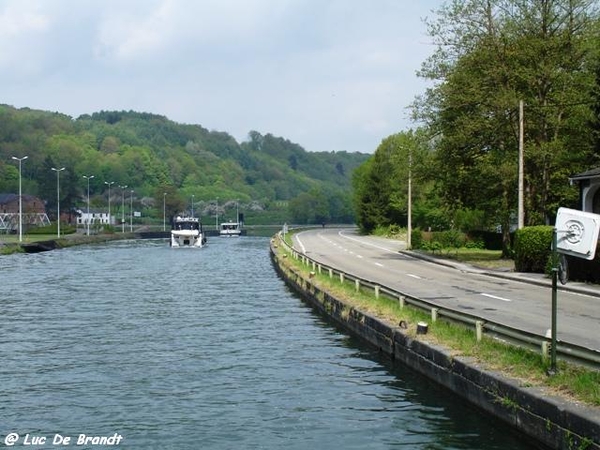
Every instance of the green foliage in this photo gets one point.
(52, 229)
(381, 183)
(147, 153)
(533, 248)
(416, 238)
(490, 55)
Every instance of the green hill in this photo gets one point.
(269, 177)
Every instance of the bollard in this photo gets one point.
(479, 329)
(434, 314)
(422, 328)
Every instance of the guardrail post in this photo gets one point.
(357, 284)
(319, 266)
(479, 329)
(330, 273)
(546, 350)
(434, 314)
(342, 277)
(401, 301)
(314, 264)
(376, 291)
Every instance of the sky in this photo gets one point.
(329, 75)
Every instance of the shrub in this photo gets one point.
(416, 238)
(533, 248)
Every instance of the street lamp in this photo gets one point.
(192, 205)
(58, 171)
(88, 178)
(108, 184)
(164, 211)
(20, 198)
(131, 212)
(123, 206)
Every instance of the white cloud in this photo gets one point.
(329, 75)
(21, 24)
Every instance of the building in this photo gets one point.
(95, 217)
(589, 190)
(33, 210)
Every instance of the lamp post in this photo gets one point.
(164, 211)
(131, 212)
(108, 184)
(58, 171)
(123, 206)
(20, 198)
(88, 178)
(192, 205)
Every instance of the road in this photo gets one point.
(514, 303)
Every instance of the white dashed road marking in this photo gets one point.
(496, 297)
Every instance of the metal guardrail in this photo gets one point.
(564, 350)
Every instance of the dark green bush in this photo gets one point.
(450, 238)
(581, 269)
(533, 248)
(492, 240)
(416, 238)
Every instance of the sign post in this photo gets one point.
(555, 270)
(575, 234)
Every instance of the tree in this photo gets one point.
(310, 207)
(169, 196)
(491, 54)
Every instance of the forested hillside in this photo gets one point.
(271, 177)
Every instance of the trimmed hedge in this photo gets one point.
(533, 248)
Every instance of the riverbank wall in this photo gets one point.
(550, 421)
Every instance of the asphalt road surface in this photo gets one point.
(514, 303)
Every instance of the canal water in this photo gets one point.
(201, 349)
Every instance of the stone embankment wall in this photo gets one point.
(552, 422)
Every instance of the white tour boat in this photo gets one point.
(230, 229)
(187, 232)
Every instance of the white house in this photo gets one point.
(95, 217)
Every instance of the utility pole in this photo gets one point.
(521, 208)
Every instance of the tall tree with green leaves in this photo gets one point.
(489, 55)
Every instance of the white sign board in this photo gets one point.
(577, 233)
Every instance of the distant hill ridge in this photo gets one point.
(146, 151)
